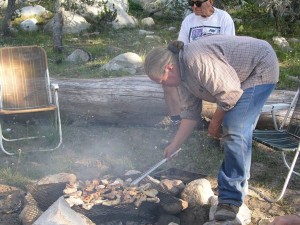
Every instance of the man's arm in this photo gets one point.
(214, 128)
(185, 129)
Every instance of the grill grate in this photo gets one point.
(46, 195)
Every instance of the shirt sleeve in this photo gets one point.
(184, 33)
(228, 26)
(191, 106)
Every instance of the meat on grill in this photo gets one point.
(108, 192)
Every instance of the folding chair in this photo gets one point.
(274, 108)
(25, 89)
(285, 141)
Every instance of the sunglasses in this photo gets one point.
(197, 3)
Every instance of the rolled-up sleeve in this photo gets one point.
(191, 106)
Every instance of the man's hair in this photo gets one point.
(157, 59)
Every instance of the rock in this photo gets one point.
(152, 37)
(195, 215)
(129, 62)
(172, 186)
(171, 28)
(29, 25)
(144, 32)
(282, 43)
(60, 213)
(148, 22)
(79, 55)
(12, 202)
(28, 11)
(73, 24)
(6, 189)
(174, 207)
(123, 19)
(234, 222)
(237, 21)
(57, 178)
(165, 219)
(294, 40)
(197, 192)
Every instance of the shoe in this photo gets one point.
(226, 212)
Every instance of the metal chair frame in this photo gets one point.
(284, 140)
(24, 76)
(274, 108)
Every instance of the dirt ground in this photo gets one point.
(90, 151)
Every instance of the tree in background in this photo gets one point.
(278, 8)
(58, 23)
(7, 18)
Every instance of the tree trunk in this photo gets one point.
(58, 23)
(133, 100)
(7, 19)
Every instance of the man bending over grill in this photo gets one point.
(238, 74)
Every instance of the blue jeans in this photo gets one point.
(237, 139)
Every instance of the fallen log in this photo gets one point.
(133, 100)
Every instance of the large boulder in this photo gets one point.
(129, 62)
(91, 12)
(29, 11)
(73, 24)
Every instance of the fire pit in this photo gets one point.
(146, 213)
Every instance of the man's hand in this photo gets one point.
(185, 129)
(169, 150)
(214, 128)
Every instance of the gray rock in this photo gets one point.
(129, 62)
(148, 22)
(29, 25)
(29, 11)
(282, 43)
(197, 192)
(73, 24)
(194, 215)
(79, 55)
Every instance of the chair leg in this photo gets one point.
(57, 125)
(289, 175)
(289, 166)
(1, 142)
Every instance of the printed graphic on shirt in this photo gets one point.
(200, 31)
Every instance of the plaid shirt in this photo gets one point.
(218, 68)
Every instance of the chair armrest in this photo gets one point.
(54, 87)
(275, 107)
(280, 106)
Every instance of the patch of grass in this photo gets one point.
(14, 178)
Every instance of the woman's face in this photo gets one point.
(171, 77)
(205, 10)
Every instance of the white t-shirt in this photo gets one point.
(194, 27)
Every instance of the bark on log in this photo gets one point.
(133, 100)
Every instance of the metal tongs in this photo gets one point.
(140, 178)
